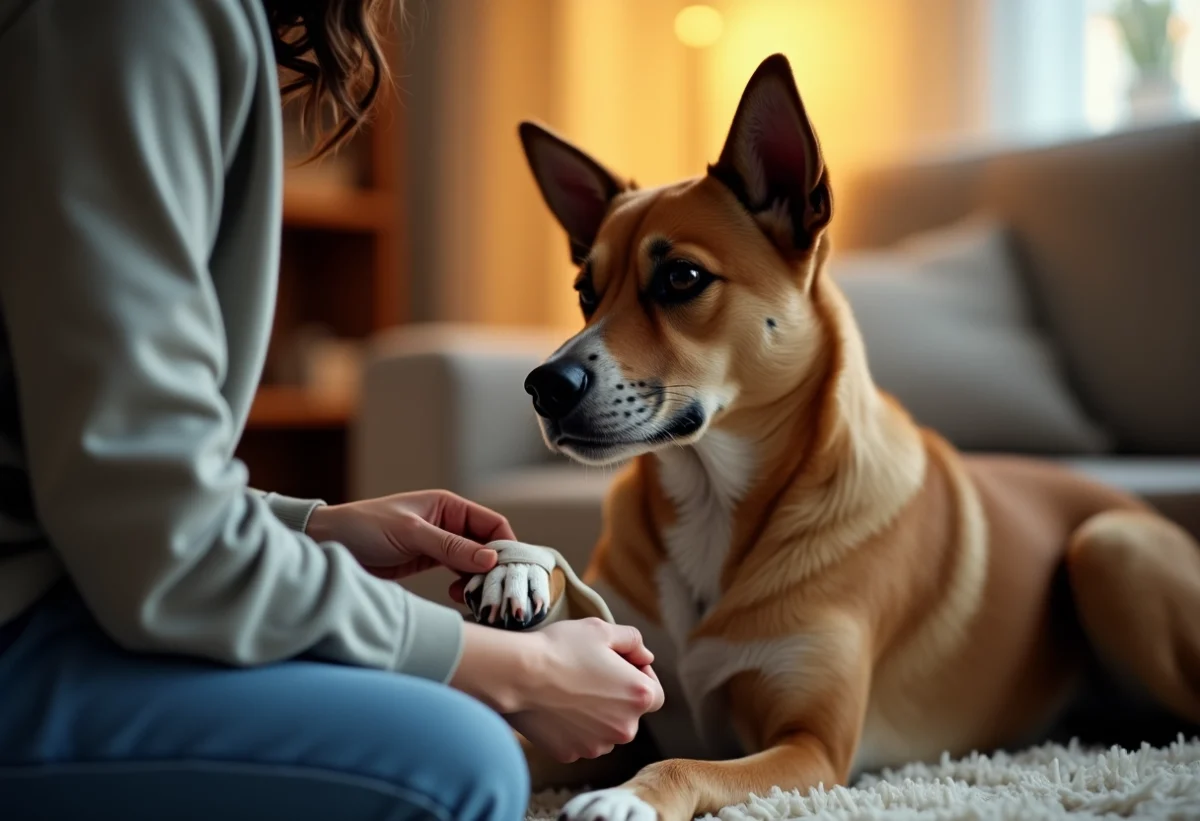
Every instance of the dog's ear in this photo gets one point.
(577, 189)
(772, 161)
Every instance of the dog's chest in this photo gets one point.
(705, 484)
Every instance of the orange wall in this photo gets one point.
(880, 78)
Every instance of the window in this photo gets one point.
(1112, 97)
(1059, 68)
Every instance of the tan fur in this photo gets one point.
(920, 586)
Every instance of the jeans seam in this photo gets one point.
(239, 768)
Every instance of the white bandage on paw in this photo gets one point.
(517, 590)
(516, 593)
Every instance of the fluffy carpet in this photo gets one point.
(1049, 782)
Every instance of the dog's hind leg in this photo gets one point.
(1135, 577)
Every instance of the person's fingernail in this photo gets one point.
(485, 557)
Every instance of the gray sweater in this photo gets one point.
(141, 168)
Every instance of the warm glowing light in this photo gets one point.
(698, 26)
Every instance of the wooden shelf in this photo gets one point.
(341, 269)
(333, 207)
(278, 406)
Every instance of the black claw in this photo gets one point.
(537, 618)
(509, 621)
(474, 600)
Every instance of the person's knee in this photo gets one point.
(431, 745)
(494, 770)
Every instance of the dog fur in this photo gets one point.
(829, 587)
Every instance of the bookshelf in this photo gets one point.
(341, 280)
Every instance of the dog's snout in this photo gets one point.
(557, 388)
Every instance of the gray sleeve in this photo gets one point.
(291, 511)
(111, 171)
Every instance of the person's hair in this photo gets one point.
(332, 54)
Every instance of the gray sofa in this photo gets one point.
(1082, 343)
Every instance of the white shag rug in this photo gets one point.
(1048, 782)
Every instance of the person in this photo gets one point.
(174, 643)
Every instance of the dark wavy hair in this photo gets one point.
(333, 59)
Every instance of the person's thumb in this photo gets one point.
(627, 641)
(449, 549)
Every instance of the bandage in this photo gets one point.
(586, 602)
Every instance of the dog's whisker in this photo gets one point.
(665, 394)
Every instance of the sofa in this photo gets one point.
(1042, 300)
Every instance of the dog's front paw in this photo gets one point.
(514, 595)
(616, 804)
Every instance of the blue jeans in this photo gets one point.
(90, 731)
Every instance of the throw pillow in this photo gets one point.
(949, 332)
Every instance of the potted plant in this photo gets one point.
(1146, 31)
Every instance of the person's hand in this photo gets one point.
(576, 689)
(596, 686)
(396, 536)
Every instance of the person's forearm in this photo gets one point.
(501, 668)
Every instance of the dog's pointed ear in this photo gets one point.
(772, 161)
(577, 189)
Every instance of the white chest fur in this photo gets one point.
(705, 482)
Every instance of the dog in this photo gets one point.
(828, 587)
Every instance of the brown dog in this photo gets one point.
(828, 587)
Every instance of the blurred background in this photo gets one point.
(431, 216)
(649, 87)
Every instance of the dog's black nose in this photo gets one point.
(557, 388)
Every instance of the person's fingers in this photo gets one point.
(487, 524)
(502, 530)
(467, 518)
(386, 573)
(660, 698)
(395, 572)
(627, 641)
(446, 548)
(639, 656)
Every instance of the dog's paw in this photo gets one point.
(616, 804)
(513, 596)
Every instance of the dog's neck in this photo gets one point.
(822, 467)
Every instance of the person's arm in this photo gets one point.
(118, 121)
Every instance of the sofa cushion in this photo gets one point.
(1107, 232)
(1112, 232)
(444, 406)
(950, 333)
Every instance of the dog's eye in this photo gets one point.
(680, 280)
(587, 297)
